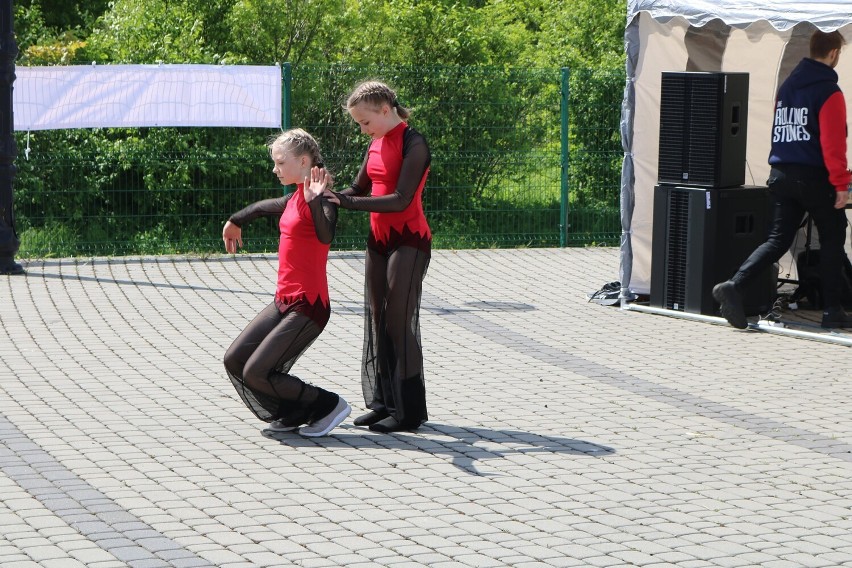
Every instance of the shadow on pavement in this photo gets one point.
(466, 447)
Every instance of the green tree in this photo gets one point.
(270, 31)
(65, 15)
(480, 75)
(561, 33)
(412, 32)
(40, 42)
(29, 25)
(149, 31)
(215, 27)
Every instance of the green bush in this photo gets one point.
(495, 178)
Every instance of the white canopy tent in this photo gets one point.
(765, 39)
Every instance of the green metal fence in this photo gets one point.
(520, 157)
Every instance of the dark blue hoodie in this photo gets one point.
(810, 121)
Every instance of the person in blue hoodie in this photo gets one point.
(809, 174)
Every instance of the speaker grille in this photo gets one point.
(704, 139)
(676, 250)
(673, 119)
(703, 126)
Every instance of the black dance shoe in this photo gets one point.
(370, 418)
(390, 424)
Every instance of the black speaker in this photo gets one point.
(700, 237)
(703, 128)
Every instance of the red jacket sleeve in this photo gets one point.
(832, 138)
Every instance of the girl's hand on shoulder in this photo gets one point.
(331, 196)
(315, 184)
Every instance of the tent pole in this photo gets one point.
(627, 190)
(9, 242)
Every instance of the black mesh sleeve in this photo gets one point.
(324, 213)
(415, 161)
(263, 208)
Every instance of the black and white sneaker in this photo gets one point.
(326, 423)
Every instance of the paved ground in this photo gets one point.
(561, 432)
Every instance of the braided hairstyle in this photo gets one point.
(375, 94)
(299, 142)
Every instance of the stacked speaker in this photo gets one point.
(706, 222)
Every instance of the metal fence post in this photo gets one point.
(286, 96)
(9, 242)
(287, 107)
(563, 198)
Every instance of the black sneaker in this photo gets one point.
(836, 318)
(731, 304)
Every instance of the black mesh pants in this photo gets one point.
(392, 367)
(259, 360)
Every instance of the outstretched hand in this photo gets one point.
(315, 185)
(232, 235)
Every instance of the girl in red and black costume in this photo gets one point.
(259, 360)
(390, 186)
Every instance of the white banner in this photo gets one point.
(96, 96)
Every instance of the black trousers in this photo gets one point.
(392, 366)
(259, 360)
(797, 190)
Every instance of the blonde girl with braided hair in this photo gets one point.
(390, 186)
(259, 360)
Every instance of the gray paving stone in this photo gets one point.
(148, 563)
(107, 564)
(61, 563)
(11, 558)
(561, 433)
(188, 563)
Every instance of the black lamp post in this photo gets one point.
(9, 242)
